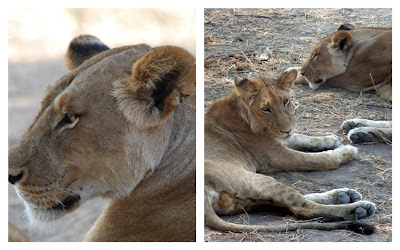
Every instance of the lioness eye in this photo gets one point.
(70, 118)
(266, 109)
(69, 121)
(315, 56)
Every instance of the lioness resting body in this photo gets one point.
(120, 125)
(353, 59)
(251, 132)
(356, 60)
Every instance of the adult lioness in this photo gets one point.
(120, 125)
(356, 60)
(249, 133)
(352, 59)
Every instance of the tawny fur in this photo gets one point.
(251, 132)
(16, 235)
(95, 136)
(353, 59)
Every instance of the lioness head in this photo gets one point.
(267, 103)
(329, 57)
(103, 127)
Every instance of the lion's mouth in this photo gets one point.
(66, 204)
(319, 81)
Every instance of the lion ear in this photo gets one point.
(244, 87)
(82, 48)
(286, 79)
(160, 81)
(346, 26)
(341, 41)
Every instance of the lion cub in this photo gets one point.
(251, 132)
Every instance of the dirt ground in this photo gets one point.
(246, 42)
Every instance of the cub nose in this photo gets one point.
(302, 73)
(13, 179)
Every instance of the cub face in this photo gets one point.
(268, 102)
(329, 57)
(88, 141)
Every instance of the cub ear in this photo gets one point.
(160, 81)
(341, 41)
(286, 79)
(246, 89)
(346, 26)
(82, 48)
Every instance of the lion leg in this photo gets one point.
(311, 143)
(385, 90)
(291, 160)
(363, 130)
(231, 190)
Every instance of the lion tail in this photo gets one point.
(216, 222)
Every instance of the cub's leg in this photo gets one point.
(231, 189)
(363, 130)
(286, 159)
(311, 143)
(335, 196)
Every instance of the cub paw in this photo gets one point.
(349, 196)
(360, 135)
(325, 143)
(365, 209)
(347, 152)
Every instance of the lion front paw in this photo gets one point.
(367, 131)
(324, 143)
(350, 124)
(347, 152)
(332, 141)
(360, 135)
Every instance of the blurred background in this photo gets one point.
(37, 41)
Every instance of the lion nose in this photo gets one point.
(13, 179)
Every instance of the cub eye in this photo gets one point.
(315, 56)
(266, 109)
(286, 102)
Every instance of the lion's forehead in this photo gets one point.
(86, 88)
(272, 95)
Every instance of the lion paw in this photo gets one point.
(332, 142)
(365, 209)
(349, 196)
(350, 124)
(363, 130)
(324, 143)
(360, 135)
(347, 152)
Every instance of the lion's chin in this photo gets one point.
(42, 215)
